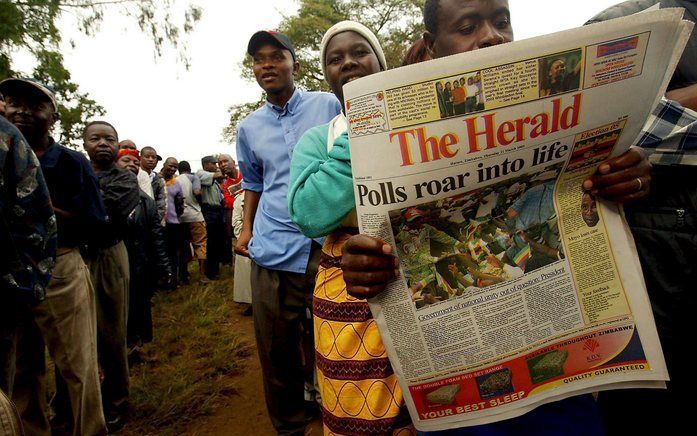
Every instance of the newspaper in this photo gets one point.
(515, 288)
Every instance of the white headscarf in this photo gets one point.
(352, 26)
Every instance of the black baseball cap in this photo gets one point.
(208, 159)
(269, 37)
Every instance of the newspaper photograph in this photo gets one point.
(516, 287)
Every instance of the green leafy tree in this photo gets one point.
(32, 26)
(398, 23)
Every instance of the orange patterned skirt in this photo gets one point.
(360, 393)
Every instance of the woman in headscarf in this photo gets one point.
(147, 258)
(360, 393)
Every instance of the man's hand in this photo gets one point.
(242, 245)
(368, 265)
(623, 179)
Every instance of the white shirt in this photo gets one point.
(145, 183)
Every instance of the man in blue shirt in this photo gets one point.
(285, 261)
(66, 319)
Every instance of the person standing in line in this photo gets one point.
(148, 161)
(147, 258)
(231, 185)
(175, 232)
(110, 269)
(65, 320)
(143, 180)
(284, 260)
(192, 219)
(213, 213)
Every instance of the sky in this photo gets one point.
(157, 102)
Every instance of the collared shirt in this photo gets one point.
(211, 194)
(230, 188)
(536, 206)
(192, 210)
(145, 183)
(670, 135)
(265, 142)
(27, 223)
(74, 189)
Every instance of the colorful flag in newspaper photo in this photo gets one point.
(522, 256)
(478, 249)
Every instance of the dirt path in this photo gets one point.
(245, 412)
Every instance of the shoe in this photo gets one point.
(135, 354)
(247, 311)
(204, 280)
(115, 424)
(314, 428)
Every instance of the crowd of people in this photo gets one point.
(96, 237)
(83, 236)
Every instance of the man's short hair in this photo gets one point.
(104, 123)
(208, 159)
(184, 167)
(431, 15)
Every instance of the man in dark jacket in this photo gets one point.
(147, 256)
(665, 227)
(109, 268)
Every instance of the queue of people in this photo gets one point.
(86, 235)
(89, 240)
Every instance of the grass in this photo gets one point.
(186, 370)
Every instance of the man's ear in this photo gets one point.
(296, 68)
(429, 40)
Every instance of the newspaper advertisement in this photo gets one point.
(516, 287)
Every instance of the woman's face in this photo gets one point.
(348, 56)
(128, 162)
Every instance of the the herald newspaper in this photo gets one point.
(516, 288)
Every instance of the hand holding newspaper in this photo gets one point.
(517, 288)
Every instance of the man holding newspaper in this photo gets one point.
(370, 267)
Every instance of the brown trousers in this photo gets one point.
(111, 278)
(66, 322)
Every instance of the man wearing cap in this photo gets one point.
(66, 319)
(193, 222)
(212, 209)
(285, 261)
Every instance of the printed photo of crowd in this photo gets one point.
(460, 95)
(451, 247)
(560, 73)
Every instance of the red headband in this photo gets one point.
(128, 151)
